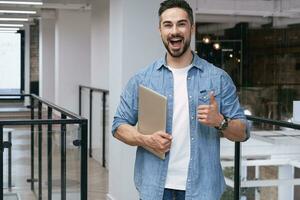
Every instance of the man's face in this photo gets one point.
(175, 30)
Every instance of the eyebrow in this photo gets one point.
(182, 20)
(168, 21)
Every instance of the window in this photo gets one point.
(10, 63)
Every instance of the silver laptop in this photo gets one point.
(152, 114)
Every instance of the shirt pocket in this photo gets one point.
(204, 95)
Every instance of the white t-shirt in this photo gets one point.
(180, 147)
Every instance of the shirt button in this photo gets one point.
(189, 180)
(192, 138)
(189, 78)
(190, 97)
(170, 95)
(192, 118)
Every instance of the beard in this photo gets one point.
(177, 53)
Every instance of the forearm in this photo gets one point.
(129, 135)
(236, 130)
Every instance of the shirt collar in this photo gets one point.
(197, 62)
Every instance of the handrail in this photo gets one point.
(58, 108)
(39, 122)
(237, 151)
(94, 89)
(67, 117)
(48, 103)
(274, 122)
(10, 95)
(105, 93)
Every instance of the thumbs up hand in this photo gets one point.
(209, 114)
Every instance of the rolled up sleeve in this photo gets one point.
(230, 105)
(127, 110)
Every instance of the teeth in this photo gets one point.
(175, 40)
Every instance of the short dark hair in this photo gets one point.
(167, 4)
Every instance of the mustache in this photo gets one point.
(175, 36)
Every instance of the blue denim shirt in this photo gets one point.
(205, 179)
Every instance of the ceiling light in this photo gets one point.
(9, 29)
(22, 2)
(217, 46)
(19, 11)
(231, 55)
(11, 25)
(14, 19)
(206, 40)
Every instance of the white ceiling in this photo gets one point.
(280, 12)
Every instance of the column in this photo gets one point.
(72, 56)
(47, 54)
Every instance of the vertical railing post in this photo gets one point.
(63, 155)
(84, 161)
(79, 109)
(32, 142)
(237, 163)
(49, 154)
(103, 128)
(1, 161)
(91, 122)
(40, 164)
(9, 161)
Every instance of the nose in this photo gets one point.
(174, 29)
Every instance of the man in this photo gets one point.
(202, 106)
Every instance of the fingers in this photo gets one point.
(208, 114)
(164, 135)
(212, 98)
(160, 141)
(204, 107)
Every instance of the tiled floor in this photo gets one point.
(97, 179)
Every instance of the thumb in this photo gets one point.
(212, 98)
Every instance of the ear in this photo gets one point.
(159, 29)
(193, 29)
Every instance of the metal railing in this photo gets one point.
(237, 153)
(66, 117)
(104, 95)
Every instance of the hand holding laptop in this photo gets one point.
(159, 141)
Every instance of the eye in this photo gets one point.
(167, 25)
(181, 24)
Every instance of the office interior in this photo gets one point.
(79, 54)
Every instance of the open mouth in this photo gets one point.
(176, 42)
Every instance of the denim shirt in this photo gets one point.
(205, 179)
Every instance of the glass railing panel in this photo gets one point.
(227, 162)
(21, 162)
(73, 161)
(270, 162)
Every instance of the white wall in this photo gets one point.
(72, 56)
(27, 63)
(100, 43)
(99, 70)
(47, 54)
(134, 43)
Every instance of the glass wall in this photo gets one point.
(263, 59)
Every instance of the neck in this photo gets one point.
(182, 61)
